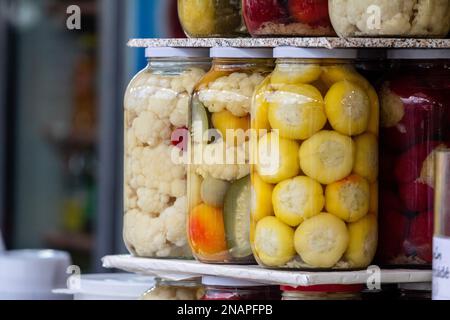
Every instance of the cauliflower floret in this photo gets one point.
(179, 116)
(231, 92)
(161, 236)
(160, 172)
(187, 80)
(397, 17)
(221, 161)
(151, 130)
(131, 141)
(151, 201)
(163, 102)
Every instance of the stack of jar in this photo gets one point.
(349, 18)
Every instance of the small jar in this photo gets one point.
(268, 18)
(219, 168)
(415, 291)
(323, 292)
(390, 18)
(415, 125)
(211, 18)
(188, 290)
(232, 289)
(156, 116)
(315, 177)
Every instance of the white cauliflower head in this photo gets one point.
(151, 130)
(233, 92)
(221, 161)
(160, 236)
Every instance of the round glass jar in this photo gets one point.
(227, 289)
(323, 292)
(268, 18)
(156, 116)
(315, 178)
(415, 124)
(211, 18)
(390, 18)
(219, 169)
(188, 290)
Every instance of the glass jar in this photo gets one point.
(415, 291)
(287, 18)
(441, 241)
(390, 18)
(156, 116)
(315, 176)
(211, 18)
(415, 124)
(219, 169)
(323, 292)
(187, 290)
(227, 289)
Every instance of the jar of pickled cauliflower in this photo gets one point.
(390, 18)
(415, 125)
(187, 290)
(314, 182)
(211, 18)
(219, 167)
(156, 118)
(268, 18)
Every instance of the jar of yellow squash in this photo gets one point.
(211, 18)
(315, 172)
(219, 167)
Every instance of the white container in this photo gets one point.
(121, 286)
(32, 274)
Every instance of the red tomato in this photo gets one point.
(309, 11)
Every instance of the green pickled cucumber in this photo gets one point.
(213, 192)
(237, 218)
(199, 121)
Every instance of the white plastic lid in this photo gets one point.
(120, 284)
(314, 53)
(229, 52)
(418, 54)
(168, 52)
(229, 282)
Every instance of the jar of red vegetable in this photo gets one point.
(415, 124)
(234, 289)
(323, 292)
(287, 17)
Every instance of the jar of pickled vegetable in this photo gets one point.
(415, 124)
(323, 292)
(287, 18)
(314, 182)
(211, 18)
(187, 290)
(156, 117)
(219, 168)
(227, 289)
(390, 18)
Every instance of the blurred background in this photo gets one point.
(61, 94)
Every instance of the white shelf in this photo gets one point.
(185, 269)
(319, 42)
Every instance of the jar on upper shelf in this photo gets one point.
(415, 124)
(269, 18)
(315, 149)
(219, 168)
(390, 18)
(155, 129)
(211, 18)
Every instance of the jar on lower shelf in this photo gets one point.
(323, 292)
(188, 290)
(217, 288)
